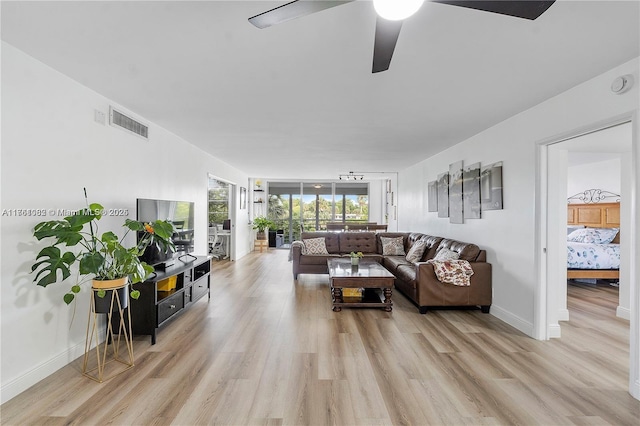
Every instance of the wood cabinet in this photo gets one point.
(158, 303)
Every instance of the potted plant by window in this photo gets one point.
(101, 258)
(355, 257)
(260, 224)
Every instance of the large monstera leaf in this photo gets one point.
(53, 262)
(69, 230)
(61, 230)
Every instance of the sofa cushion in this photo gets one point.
(392, 246)
(317, 259)
(411, 239)
(315, 246)
(466, 251)
(407, 273)
(432, 247)
(392, 262)
(404, 235)
(372, 256)
(331, 240)
(445, 254)
(416, 251)
(357, 241)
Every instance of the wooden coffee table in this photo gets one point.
(376, 281)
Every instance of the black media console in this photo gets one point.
(169, 293)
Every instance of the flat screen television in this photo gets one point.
(180, 214)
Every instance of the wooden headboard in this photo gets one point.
(597, 215)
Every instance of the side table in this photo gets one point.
(261, 244)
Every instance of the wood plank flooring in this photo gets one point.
(267, 350)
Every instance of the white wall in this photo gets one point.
(51, 149)
(376, 202)
(603, 175)
(509, 235)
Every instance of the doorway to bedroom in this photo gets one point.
(592, 174)
(607, 146)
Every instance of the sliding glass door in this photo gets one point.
(284, 209)
(317, 206)
(309, 206)
(352, 202)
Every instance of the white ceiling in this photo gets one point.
(298, 100)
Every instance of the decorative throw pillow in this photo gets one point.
(593, 235)
(416, 251)
(445, 254)
(571, 228)
(392, 246)
(315, 246)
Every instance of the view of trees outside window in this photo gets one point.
(317, 200)
(218, 201)
(312, 209)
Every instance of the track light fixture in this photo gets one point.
(351, 176)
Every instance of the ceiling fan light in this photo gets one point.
(396, 10)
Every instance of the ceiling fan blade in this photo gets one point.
(292, 10)
(527, 9)
(387, 33)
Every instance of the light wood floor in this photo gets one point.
(268, 350)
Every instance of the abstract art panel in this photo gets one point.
(471, 191)
(455, 193)
(443, 195)
(491, 186)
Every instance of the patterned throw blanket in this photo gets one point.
(456, 272)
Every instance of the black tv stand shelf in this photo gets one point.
(155, 307)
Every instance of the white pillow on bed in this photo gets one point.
(593, 235)
(571, 228)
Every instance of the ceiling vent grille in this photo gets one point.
(118, 119)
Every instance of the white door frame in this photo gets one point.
(545, 326)
(233, 203)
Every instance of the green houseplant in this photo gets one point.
(355, 257)
(260, 224)
(100, 257)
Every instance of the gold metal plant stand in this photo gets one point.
(116, 343)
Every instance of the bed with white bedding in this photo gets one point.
(593, 256)
(593, 241)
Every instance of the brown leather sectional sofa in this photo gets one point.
(417, 281)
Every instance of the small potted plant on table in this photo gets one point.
(355, 257)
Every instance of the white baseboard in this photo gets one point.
(553, 331)
(624, 313)
(513, 320)
(635, 390)
(40, 372)
(563, 315)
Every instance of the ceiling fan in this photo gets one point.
(389, 22)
